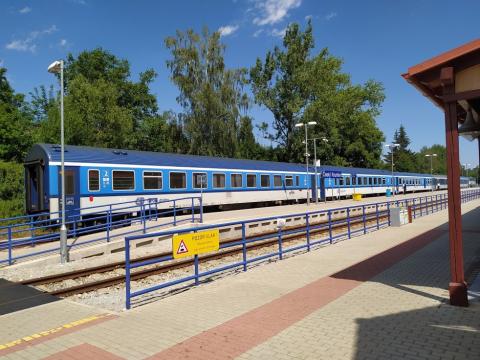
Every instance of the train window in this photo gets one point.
(152, 180)
(199, 180)
(93, 180)
(69, 182)
(277, 180)
(347, 180)
(265, 180)
(178, 180)
(236, 180)
(251, 180)
(354, 180)
(370, 181)
(123, 180)
(342, 181)
(288, 180)
(360, 181)
(218, 180)
(384, 181)
(297, 180)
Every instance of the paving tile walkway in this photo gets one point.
(381, 295)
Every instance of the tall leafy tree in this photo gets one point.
(297, 86)
(438, 163)
(103, 105)
(211, 95)
(15, 122)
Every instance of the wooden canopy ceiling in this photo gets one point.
(465, 63)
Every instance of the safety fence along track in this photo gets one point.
(238, 240)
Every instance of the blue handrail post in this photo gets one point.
(388, 210)
(376, 214)
(32, 232)
(174, 213)
(307, 223)
(330, 226)
(421, 208)
(348, 223)
(244, 247)
(144, 218)
(127, 272)
(364, 218)
(109, 222)
(9, 234)
(197, 279)
(280, 250)
(414, 209)
(193, 212)
(200, 199)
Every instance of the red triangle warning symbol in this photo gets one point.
(182, 248)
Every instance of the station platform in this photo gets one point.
(377, 296)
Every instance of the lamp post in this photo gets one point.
(431, 156)
(325, 140)
(392, 147)
(57, 68)
(466, 166)
(306, 125)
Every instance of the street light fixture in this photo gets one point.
(392, 147)
(57, 68)
(431, 156)
(466, 168)
(306, 125)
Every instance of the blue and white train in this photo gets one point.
(96, 177)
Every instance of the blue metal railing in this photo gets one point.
(28, 231)
(418, 206)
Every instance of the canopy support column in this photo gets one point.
(457, 287)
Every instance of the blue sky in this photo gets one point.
(377, 39)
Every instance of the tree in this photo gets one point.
(404, 159)
(211, 95)
(439, 162)
(103, 106)
(15, 122)
(298, 87)
(280, 85)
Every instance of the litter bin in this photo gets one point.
(357, 197)
(389, 193)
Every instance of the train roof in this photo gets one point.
(86, 154)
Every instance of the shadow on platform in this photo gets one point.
(15, 297)
(432, 331)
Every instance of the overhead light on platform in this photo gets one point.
(470, 129)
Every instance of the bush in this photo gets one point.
(11, 189)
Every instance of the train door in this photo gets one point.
(322, 188)
(72, 191)
(36, 197)
(314, 185)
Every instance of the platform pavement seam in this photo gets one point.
(40, 337)
(240, 334)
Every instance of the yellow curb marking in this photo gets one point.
(51, 331)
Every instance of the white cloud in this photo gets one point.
(25, 10)
(258, 33)
(227, 30)
(278, 32)
(29, 43)
(63, 42)
(330, 16)
(273, 11)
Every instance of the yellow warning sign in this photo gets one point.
(184, 245)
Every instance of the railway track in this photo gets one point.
(337, 227)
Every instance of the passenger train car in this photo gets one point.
(96, 177)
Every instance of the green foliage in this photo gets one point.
(403, 158)
(298, 87)
(11, 189)
(438, 163)
(15, 123)
(211, 95)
